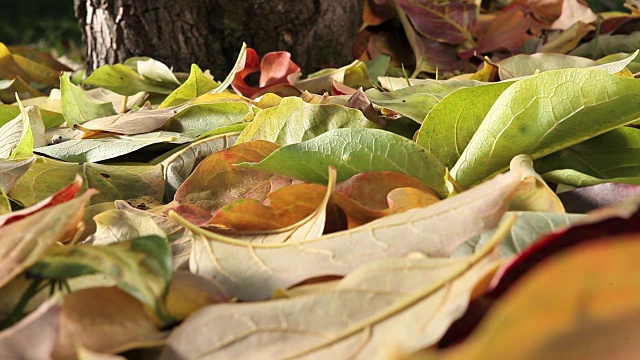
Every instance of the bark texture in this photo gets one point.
(210, 32)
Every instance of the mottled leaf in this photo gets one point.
(294, 121)
(139, 122)
(215, 182)
(251, 271)
(353, 151)
(140, 267)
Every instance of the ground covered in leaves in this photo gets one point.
(353, 213)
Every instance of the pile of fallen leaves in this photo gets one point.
(347, 214)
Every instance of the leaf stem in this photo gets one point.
(18, 311)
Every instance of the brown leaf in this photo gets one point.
(405, 303)
(572, 12)
(582, 302)
(138, 122)
(34, 336)
(215, 182)
(103, 319)
(450, 22)
(252, 270)
(506, 31)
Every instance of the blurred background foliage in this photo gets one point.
(46, 24)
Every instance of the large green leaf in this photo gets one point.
(76, 106)
(197, 84)
(122, 181)
(545, 113)
(451, 123)
(140, 267)
(611, 157)
(94, 150)
(353, 151)
(294, 121)
(415, 101)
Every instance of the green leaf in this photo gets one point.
(415, 101)
(608, 44)
(526, 65)
(49, 118)
(140, 267)
(353, 151)
(94, 150)
(198, 119)
(122, 181)
(611, 157)
(294, 121)
(155, 71)
(76, 106)
(545, 113)
(197, 84)
(123, 80)
(451, 123)
(232, 74)
(16, 138)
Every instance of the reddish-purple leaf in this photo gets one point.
(449, 22)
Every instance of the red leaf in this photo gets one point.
(65, 194)
(450, 22)
(275, 68)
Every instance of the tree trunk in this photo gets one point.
(210, 32)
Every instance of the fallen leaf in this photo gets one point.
(582, 308)
(140, 267)
(35, 336)
(352, 151)
(12, 170)
(139, 122)
(251, 271)
(94, 150)
(23, 242)
(293, 121)
(63, 195)
(593, 197)
(197, 84)
(120, 181)
(215, 182)
(103, 319)
(450, 22)
(415, 101)
(77, 108)
(178, 166)
(572, 12)
(529, 126)
(533, 193)
(409, 303)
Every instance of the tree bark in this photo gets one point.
(210, 32)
